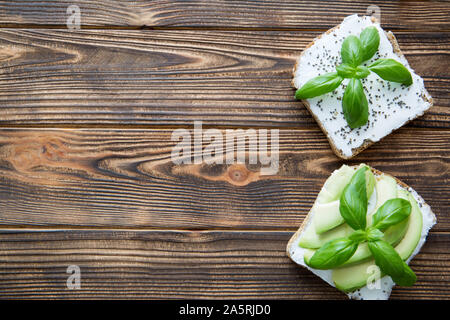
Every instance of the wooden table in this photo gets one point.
(86, 120)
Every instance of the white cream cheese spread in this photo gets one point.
(391, 104)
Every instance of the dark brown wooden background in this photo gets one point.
(85, 124)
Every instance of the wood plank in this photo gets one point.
(411, 15)
(175, 264)
(126, 178)
(129, 77)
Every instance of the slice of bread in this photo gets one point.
(295, 252)
(391, 105)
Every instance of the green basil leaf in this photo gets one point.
(391, 263)
(358, 236)
(374, 234)
(362, 72)
(392, 70)
(370, 40)
(333, 254)
(355, 105)
(391, 212)
(386, 258)
(351, 51)
(353, 201)
(345, 70)
(408, 278)
(319, 85)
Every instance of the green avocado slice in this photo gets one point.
(333, 187)
(312, 240)
(326, 216)
(386, 187)
(409, 242)
(351, 278)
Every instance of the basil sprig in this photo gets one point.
(362, 72)
(345, 70)
(358, 236)
(374, 234)
(354, 51)
(353, 208)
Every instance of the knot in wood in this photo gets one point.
(238, 174)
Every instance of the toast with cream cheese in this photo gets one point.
(391, 105)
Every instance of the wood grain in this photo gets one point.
(176, 264)
(270, 14)
(126, 178)
(111, 200)
(123, 77)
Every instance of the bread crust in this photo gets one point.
(367, 142)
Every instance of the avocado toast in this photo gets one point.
(325, 223)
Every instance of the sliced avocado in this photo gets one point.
(360, 254)
(392, 235)
(326, 216)
(333, 187)
(386, 189)
(395, 234)
(350, 278)
(312, 240)
(335, 184)
(409, 242)
(370, 183)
